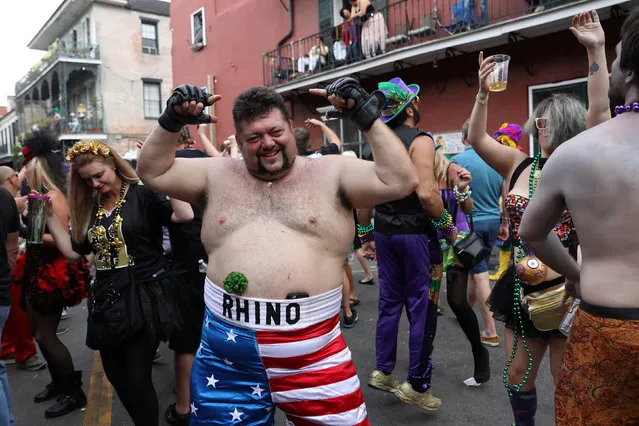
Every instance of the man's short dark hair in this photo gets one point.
(341, 12)
(629, 60)
(302, 139)
(254, 103)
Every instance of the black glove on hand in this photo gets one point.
(366, 108)
(171, 121)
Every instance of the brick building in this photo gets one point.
(231, 45)
(105, 73)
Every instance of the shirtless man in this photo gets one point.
(595, 176)
(277, 219)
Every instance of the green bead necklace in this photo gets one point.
(519, 327)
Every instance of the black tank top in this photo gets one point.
(370, 11)
(405, 216)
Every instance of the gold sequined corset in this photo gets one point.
(105, 256)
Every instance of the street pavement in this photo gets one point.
(484, 405)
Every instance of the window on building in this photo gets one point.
(578, 88)
(352, 139)
(198, 33)
(152, 99)
(150, 37)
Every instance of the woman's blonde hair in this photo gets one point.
(39, 174)
(441, 168)
(81, 196)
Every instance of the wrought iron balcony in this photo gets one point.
(400, 24)
(58, 51)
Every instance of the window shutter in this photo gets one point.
(378, 4)
(325, 15)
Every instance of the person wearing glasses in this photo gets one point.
(555, 120)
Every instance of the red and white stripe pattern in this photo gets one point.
(311, 375)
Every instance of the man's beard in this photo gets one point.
(286, 164)
(416, 116)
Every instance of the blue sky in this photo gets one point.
(19, 22)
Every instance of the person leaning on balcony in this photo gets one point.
(350, 34)
(373, 27)
(318, 54)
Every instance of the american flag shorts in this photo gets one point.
(242, 371)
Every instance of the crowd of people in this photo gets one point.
(252, 323)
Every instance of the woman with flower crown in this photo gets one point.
(133, 302)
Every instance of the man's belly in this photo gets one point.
(276, 268)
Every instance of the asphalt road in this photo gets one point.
(484, 405)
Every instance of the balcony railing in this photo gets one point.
(44, 115)
(400, 24)
(55, 53)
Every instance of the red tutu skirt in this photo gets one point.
(56, 284)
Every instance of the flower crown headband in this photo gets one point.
(93, 147)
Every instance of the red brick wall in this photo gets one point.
(238, 32)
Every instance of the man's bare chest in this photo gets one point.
(307, 209)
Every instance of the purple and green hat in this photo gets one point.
(398, 94)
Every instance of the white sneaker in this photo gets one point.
(65, 314)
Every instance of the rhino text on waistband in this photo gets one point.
(237, 309)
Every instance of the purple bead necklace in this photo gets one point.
(620, 109)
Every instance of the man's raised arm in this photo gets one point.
(157, 166)
(392, 176)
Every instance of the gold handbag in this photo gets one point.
(544, 307)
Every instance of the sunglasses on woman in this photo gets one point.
(541, 123)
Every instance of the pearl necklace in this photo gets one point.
(620, 109)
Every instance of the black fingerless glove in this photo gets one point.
(171, 120)
(366, 108)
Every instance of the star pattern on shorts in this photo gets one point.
(211, 381)
(194, 409)
(227, 362)
(199, 349)
(237, 415)
(230, 335)
(206, 321)
(257, 390)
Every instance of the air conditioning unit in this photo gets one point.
(151, 50)
(197, 46)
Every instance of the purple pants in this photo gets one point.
(404, 277)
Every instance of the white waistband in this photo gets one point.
(272, 314)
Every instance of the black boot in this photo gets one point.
(51, 391)
(173, 418)
(72, 397)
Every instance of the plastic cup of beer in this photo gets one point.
(498, 79)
